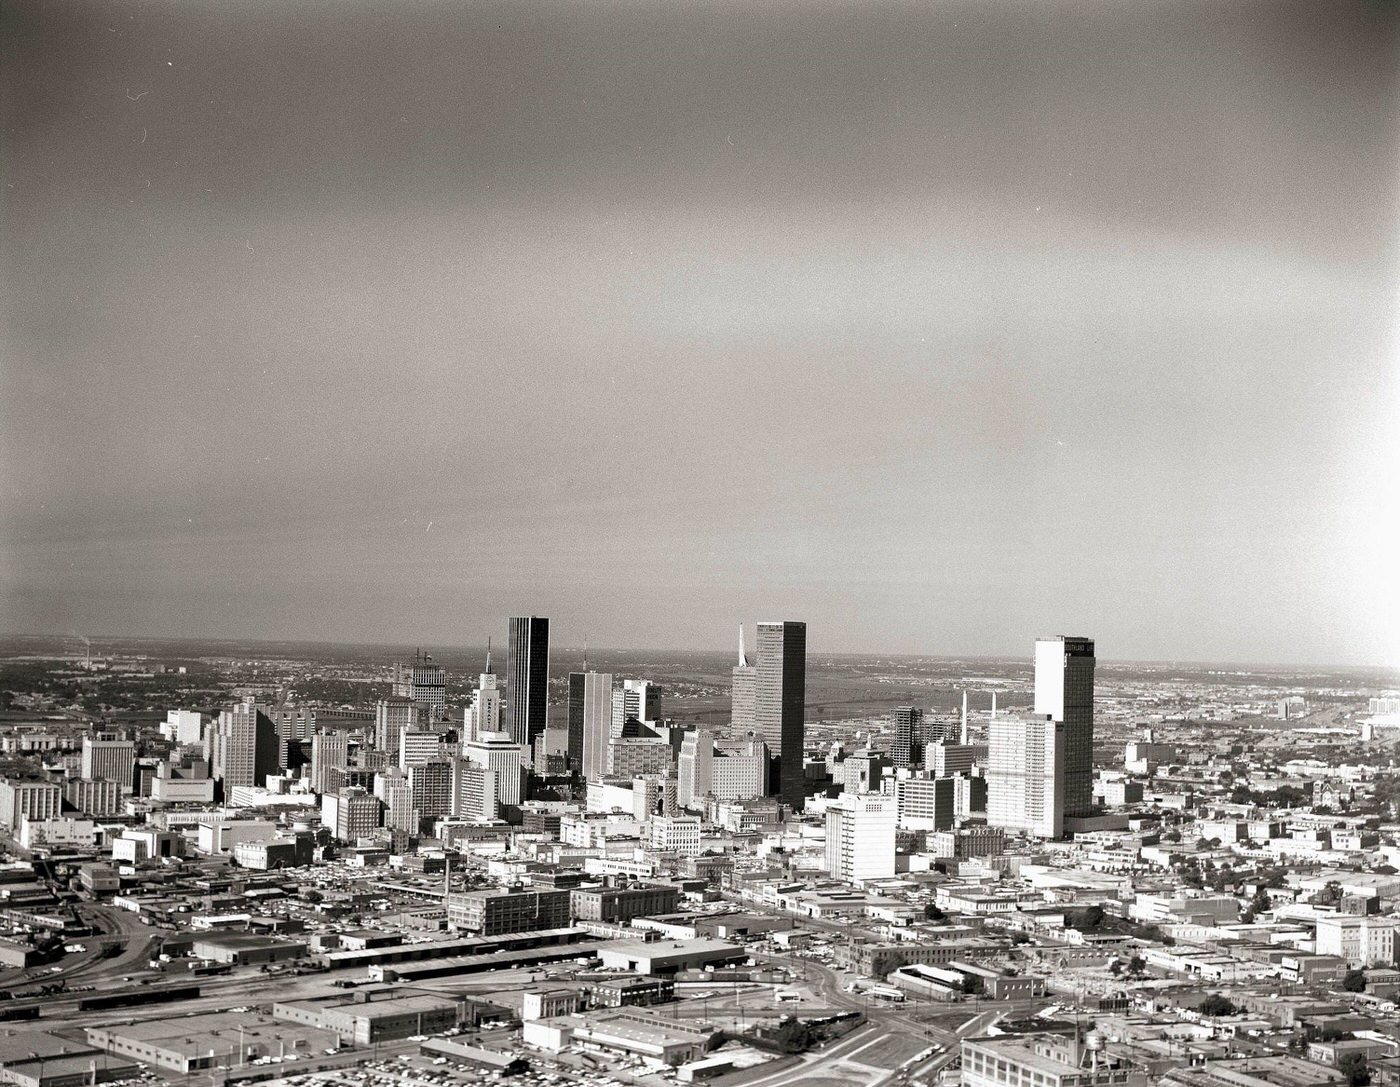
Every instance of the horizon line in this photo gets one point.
(1292, 665)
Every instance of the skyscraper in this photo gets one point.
(860, 836)
(487, 711)
(597, 723)
(742, 717)
(392, 716)
(527, 677)
(243, 747)
(110, 759)
(422, 681)
(330, 755)
(780, 699)
(1064, 693)
(1026, 776)
(906, 721)
(577, 685)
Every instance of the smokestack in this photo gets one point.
(994, 705)
(962, 737)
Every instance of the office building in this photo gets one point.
(475, 793)
(418, 746)
(1050, 1060)
(780, 698)
(578, 682)
(675, 834)
(905, 722)
(618, 905)
(243, 747)
(108, 759)
(634, 756)
(424, 682)
(491, 913)
(925, 803)
(863, 771)
(487, 713)
(94, 797)
(1026, 776)
(597, 723)
(350, 814)
(1360, 940)
(392, 716)
(635, 700)
(394, 791)
(183, 726)
(497, 752)
(527, 677)
(743, 713)
(694, 767)
(330, 755)
(1064, 693)
(860, 833)
(33, 800)
(946, 759)
(432, 788)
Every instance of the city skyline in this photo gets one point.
(931, 324)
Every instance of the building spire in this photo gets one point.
(743, 660)
(488, 656)
(585, 652)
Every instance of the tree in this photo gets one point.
(1137, 965)
(972, 985)
(1355, 1068)
(1354, 981)
(933, 913)
(1215, 1004)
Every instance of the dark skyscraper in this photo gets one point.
(577, 681)
(527, 675)
(908, 736)
(780, 700)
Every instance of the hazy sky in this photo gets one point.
(937, 325)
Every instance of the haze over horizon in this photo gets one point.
(939, 327)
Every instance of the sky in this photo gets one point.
(937, 325)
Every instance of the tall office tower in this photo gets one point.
(487, 711)
(527, 678)
(860, 833)
(393, 790)
(422, 681)
(330, 755)
(635, 700)
(780, 699)
(1064, 693)
(432, 788)
(293, 726)
(743, 717)
(391, 716)
(577, 684)
(1026, 776)
(242, 747)
(475, 793)
(695, 768)
(497, 752)
(597, 723)
(418, 746)
(906, 721)
(110, 759)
